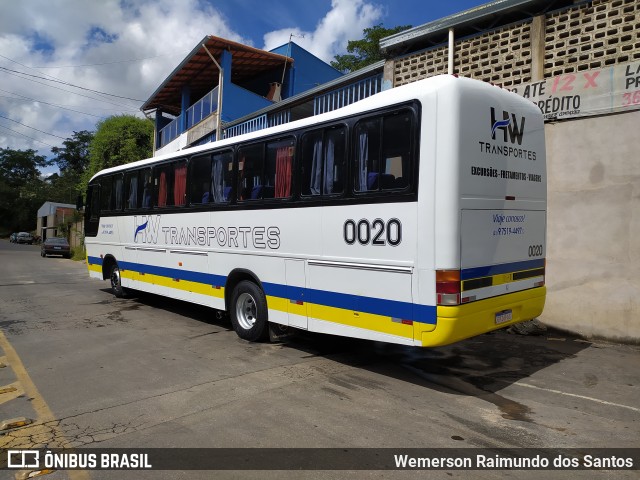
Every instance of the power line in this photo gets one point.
(71, 84)
(55, 78)
(68, 91)
(33, 128)
(14, 131)
(56, 105)
(110, 63)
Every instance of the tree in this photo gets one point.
(365, 51)
(118, 140)
(22, 191)
(73, 156)
(72, 159)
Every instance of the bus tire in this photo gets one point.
(116, 281)
(248, 312)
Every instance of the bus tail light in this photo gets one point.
(448, 287)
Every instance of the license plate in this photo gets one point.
(503, 316)
(57, 248)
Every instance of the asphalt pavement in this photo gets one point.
(93, 371)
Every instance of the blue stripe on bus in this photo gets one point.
(94, 261)
(358, 303)
(188, 275)
(478, 272)
(376, 306)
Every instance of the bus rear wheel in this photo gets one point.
(248, 312)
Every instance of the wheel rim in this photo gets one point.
(246, 311)
(115, 278)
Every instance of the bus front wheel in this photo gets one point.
(116, 282)
(248, 311)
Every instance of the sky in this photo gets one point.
(67, 64)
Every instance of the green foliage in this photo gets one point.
(73, 156)
(78, 253)
(118, 140)
(22, 191)
(365, 51)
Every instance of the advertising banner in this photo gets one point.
(590, 92)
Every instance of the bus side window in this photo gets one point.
(311, 163)
(334, 161)
(367, 161)
(106, 185)
(250, 168)
(131, 181)
(147, 188)
(396, 151)
(116, 202)
(383, 152)
(163, 186)
(222, 177)
(201, 180)
(323, 161)
(93, 202)
(278, 169)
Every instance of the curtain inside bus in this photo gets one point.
(180, 185)
(162, 190)
(217, 181)
(316, 168)
(283, 172)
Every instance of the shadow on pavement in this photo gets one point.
(479, 367)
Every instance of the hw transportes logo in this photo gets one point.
(512, 130)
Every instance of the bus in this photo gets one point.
(416, 216)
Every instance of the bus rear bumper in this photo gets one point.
(455, 323)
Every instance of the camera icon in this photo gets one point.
(23, 459)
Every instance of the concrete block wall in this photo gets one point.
(501, 57)
(591, 36)
(593, 230)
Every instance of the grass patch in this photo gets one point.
(78, 253)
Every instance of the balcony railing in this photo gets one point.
(170, 131)
(202, 108)
(195, 114)
(327, 102)
(347, 95)
(252, 125)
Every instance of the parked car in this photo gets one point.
(24, 237)
(55, 246)
(13, 237)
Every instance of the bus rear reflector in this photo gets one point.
(448, 287)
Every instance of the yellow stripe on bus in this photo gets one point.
(367, 321)
(351, 318)
(184, 285)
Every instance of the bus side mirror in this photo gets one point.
(79, 203)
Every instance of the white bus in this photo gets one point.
(416, 216)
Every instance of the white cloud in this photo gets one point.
(42, 33)
(138, 43)
(345, 21)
